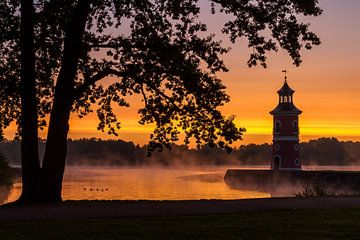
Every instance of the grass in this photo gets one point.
(314, 191)
(290, 224)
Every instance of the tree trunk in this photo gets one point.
(30, 165)
(56, 144)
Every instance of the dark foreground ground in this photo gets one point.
(126, 209)
(282, 218)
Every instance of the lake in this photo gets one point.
(152, 183)
(156, 183)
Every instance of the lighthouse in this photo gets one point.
(285, 149)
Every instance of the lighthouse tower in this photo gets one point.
(285, 149)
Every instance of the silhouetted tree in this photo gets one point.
(29, 115)
(156, 49)
(254, 154)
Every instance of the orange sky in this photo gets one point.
(327, 84)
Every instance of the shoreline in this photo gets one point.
(112, 209)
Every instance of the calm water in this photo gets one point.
(108, 183)
(118, 183)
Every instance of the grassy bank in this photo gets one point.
(290, 224)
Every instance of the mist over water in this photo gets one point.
(150, 183)
(155, 183)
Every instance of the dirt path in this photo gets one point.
(123, 209)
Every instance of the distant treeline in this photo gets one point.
(323, 151)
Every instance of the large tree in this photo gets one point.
(157, 49)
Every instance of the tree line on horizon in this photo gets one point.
(97, 152)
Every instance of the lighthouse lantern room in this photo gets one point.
(285, 149)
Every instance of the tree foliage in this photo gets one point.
(156, 49)
(322, 151)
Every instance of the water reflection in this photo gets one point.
(106, 183)
(4, 192)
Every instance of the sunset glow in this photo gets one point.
(327, 85)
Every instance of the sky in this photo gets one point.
(327, 84)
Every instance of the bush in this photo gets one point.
(313, 191)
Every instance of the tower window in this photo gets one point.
(277, 147)
(296, 147)
(297, 162)
(290, 99)
(285, 99)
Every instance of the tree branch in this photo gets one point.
(144, 95)
(109, 71)
(108, 45)
(92, 80)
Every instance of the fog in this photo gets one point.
(173, 182)
(313, 182)
(95, 152)
(125, 170)
(145, 183)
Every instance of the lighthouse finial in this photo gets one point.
(285, 71)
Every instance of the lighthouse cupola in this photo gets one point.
(285, 149)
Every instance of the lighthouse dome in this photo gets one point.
(285, 89)
(286, 104)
